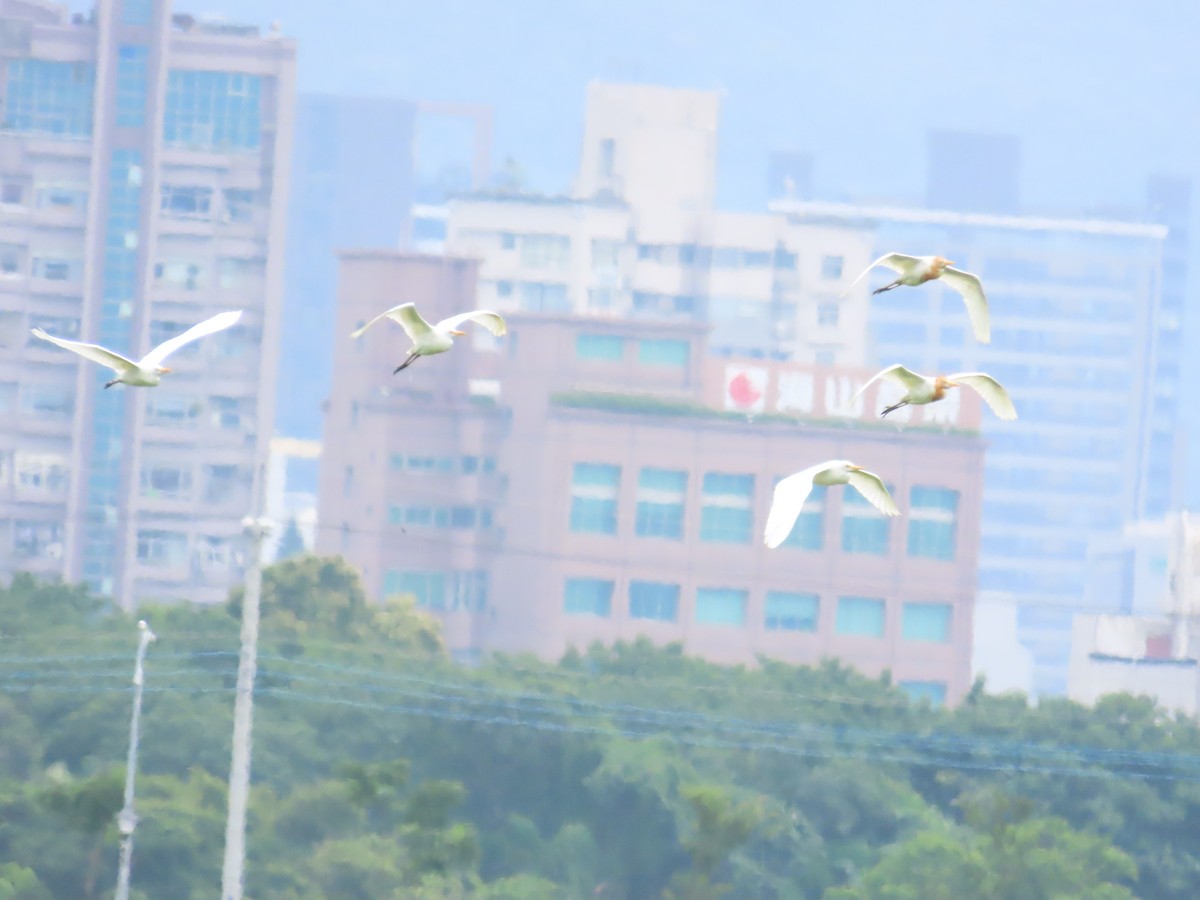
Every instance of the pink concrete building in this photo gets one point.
(584, 480)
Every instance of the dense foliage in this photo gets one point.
(383, 770)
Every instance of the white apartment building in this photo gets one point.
(143, 182)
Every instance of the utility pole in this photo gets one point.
(127, 818)
(256, 526)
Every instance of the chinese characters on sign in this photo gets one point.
(826, 393)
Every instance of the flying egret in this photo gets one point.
(430, 339)
(147, 371)
(921, 389)
(792, 491)
(915, 270)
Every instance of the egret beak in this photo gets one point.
(950, 383)
(459, 333)
(856, 468)
(163, 370)
(949, 262)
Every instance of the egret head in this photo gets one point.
(161, 370)
(942, 382)
(941, 262)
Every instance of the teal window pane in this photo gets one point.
(926, 622)
(932, 522)
(428, 587)
(653, 600)
(396, 515)
(809, 531)
(588, 597)
(934, 692)
(661, 352)
(864, 528)
(660, 501)
(727, 512)
(788, 611)
(860, 616)
(49, 98)
(131, 85)
(721, 606)
(600, 346)
(594, 489)
(212, 110)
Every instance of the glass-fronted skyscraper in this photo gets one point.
(1082, 340)
(143, 180)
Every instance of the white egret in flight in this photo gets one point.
(430, 339)
(915, 270)
(792, 491)
(147, 371)
(921, 389)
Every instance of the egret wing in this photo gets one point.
(897, 373)
(408, 317)
(219, 322)
(872, 487)
(992, 392)
(786, 504)
(493, 322)
(94, 352)
(971, 289)
(898, 262)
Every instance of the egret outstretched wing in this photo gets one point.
(992, 392)
(897, 373)
(971, 289)
(493, 322)
(219, 322)
(872, 487)
(94, 352)
(408, 317)
(786, 503)
(898, 262)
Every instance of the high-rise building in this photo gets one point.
(587, 479)
(1077, 327)
(638, 237)
(143, 187)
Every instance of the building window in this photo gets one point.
(932, 524)
(827, 315)
(933, 692)
(653, 600)
(212, 110)
(165, 480)
(727, 510)
(864, 528)
(726, 257)
(660, 499)
(594, 497)
(721, 606)
(860, 616)
(167, 410)
(49, 98)
(47, 472)
(588, 597)
(429, 588)
(504, 289)
(661, 352)
(59, 326)
(788, 611)
(47, 401)
(11, 260)
(809, 531)
(608, 153)
(758, 259)
(539, 296)
(60, 196)
(137, 12)
(187, 201)
(12, 193)
(37, 540)
(131, 86)
(166, 549)
(545, 251)
(926, 622)
(831, 267)
(785, 259)
(68, 270)
(606, 347)
(508, 240)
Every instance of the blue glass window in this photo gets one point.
(50, 98)
(721, 606)
(653, 600)
(727, 513)
(864, 528)
(428, 587)
(588, 597)
(131, 85)
(932, 691)
(932, 524)
(660, 499)
(788, 611)
(926, 622)
(594, 497)
(861, 616)
(137, 12)
(212, 110)
(660, 352)
(600, 346)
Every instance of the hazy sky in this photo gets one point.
(1100, 92)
